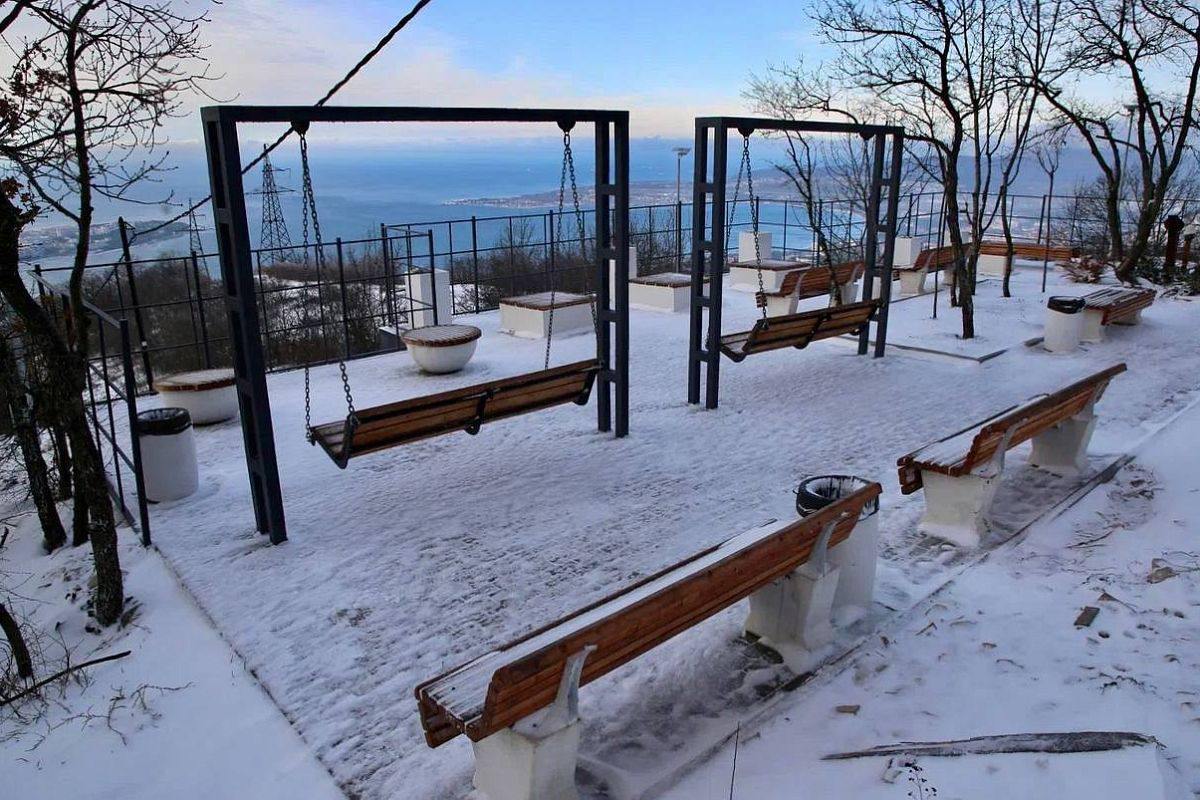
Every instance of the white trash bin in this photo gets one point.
(855, 557)
(168, 454)
(1064, 324)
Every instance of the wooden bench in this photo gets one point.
(912, 276)
(1113, 305)
(960, 473)
(1030, 251)
(466, 409)
(518, 703)
(814, 282)
(798, 330)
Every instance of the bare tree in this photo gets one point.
(827, 171)
(81, 116)
(1150, 49)
(951, 72)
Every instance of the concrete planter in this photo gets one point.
(441, 349)
(208, 395)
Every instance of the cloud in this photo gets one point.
(277, 52)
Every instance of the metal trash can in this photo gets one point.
(856, 557)
(1064, 324)
(168, 453)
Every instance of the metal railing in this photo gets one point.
(318, 310)
(112, 391)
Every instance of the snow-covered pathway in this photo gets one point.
(998, 652)
(415, 559)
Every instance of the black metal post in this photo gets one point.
(127, 257)
(200, 315)
(889, 243)
(475, 259)
(871, 245)
(254, 404)
(135, 441)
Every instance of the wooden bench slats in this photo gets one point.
(815, 281)
(967, 449)
(1119, 302)
(506, 685)
(798, 330)
(1030, 251)
(392, 424)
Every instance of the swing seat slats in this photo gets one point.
(466, 409)
(798, 330)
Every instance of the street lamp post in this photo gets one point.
(680, 152)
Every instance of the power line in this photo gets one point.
(362, 62)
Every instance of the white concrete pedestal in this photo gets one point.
(991, 265)
(744, 277)
(848, 293)
(421, 288)
(1063, 331)
(1062, 450)
(906, 251)
(1093, 325)
(535, 758)
(856, 559)
(912, 282)
(746, 252)
(612, 270)
(514, 766)
(957, 508)
(796, 609)
(781, 306)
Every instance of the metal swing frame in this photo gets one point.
(233, 238)
(708, 235)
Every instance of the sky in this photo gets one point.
(666, 61)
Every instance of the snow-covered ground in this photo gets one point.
(179, 717)
(416, 559)
(998, 652)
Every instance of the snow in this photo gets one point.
(206, 728)
(998, 652)
(418, 559)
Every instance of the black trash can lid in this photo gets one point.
(1065, 305)
(163, 421)
(818, 491)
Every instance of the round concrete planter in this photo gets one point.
(208, 395)
(441, 349)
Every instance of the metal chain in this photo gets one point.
(569, 157)
(737, 190)
(761, 297)
(308, 432)
(309, 201)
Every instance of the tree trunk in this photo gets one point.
(1006, 228)
(16, 643)
(1112, 210)
(961, 276)
(26, 433)
(64, 395)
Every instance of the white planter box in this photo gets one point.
(906, 251)
(743, 277)
(669, 291)
(746, 246)
(528, 317)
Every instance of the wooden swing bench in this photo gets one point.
(798, 330)
(518, 703)
(466, 409)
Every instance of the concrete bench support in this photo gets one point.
(781, 306)
(991, 265)
(1093, 325)
(797, 609)
(1062, 450)
(535, 758)
(957, 508)
(912, 282)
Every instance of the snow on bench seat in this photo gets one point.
(959, 473)
(524, 692)
(1114, 305)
